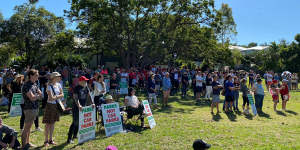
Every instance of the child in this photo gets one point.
(284, 92)
(245, 91)
(275, 95)
(10, 138)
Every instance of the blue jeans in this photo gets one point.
(259, 101)
(236, 99)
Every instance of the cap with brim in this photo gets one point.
(83, 78)
(200, 144)
(54, 74)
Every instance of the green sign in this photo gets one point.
(66, 93)
(15, 109)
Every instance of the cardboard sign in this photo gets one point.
(123, 88)
(111, 118)
(253, 107)
(15, 109)
(148, 112)
(87, 123)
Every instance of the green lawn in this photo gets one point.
(187, 120)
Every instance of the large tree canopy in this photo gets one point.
(142, 32)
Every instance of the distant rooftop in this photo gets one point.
(244, 49)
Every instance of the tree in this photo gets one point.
(145, 32)
(225, 26)
(29, 29)
(252, 44)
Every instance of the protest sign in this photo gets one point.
(253, 107)
(87, 124)
(148, 112)
(112, 118)
(66, 93)
(15, 108)
(123, 88)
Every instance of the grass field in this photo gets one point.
(187, 120)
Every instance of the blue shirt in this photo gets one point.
(228, 92)
(166, 83)
(259, 89)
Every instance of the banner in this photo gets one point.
(87, 123)
(253, 107)
(150, 117)
(112, 118)
(123, 88)
(15, 108)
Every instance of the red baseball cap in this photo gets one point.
(83, 78)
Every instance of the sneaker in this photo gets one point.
(70, 142)
(32, 145)
(39, 129)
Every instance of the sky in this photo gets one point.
(260, 21)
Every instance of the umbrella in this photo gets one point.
(286, 72)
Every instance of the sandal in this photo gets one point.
(52, 142)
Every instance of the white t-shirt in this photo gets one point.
(269, 77)
(132, 101)
(199, 80)
(56, 87)
(99, 88)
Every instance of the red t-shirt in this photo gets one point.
(285, 90)
(132, 75)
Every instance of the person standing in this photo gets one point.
(152, 90)
(81, 98)
(209, 89)
(99, 92)
(245, 92)
(236, 93)
(185, 83)
(259, 95)
(166, 89)
(31, 94)
(229, 88)
(284, 92)
(216, 94)
(51, 115)
(114, 84)
(199, 85)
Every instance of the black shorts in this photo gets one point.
(198, 89)
(229, 98)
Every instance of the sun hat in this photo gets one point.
(55, 74)
(108, 97)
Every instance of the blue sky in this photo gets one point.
(258, 21)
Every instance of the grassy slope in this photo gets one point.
(187, 120)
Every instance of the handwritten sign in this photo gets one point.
(112, 118)
(148, 112)
(15, 109)
(87, 124)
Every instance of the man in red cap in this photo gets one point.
(81, 99)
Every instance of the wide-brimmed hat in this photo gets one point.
(108, 97)
(55, 74)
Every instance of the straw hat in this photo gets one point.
(55, 74)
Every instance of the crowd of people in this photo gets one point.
(95, 87)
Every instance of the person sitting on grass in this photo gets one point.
(10, 139)
(134, 106)
(284, 92)
(275, 95)
(216, 94)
